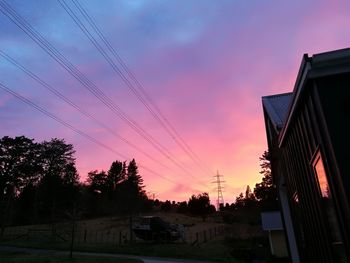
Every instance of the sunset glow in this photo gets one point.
(205, 64)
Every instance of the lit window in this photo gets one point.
(321, 176)
(295, 197)
(329, 208)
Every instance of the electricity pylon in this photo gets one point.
(219, 188)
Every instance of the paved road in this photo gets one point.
(144, 259)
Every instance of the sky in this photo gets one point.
(204, 64)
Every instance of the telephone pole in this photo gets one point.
(219, 188)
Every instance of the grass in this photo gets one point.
(215, 250)
(7, 257)
(248, 249)
(111, 227)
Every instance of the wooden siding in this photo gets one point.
(311, 131)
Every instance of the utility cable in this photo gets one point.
(55, 54)
(73, 128)
(139, 91)
(75, 106)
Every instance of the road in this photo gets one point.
(144, 259)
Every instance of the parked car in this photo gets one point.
(155, 228)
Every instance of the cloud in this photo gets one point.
(206, 64)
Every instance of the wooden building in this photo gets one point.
(308, 136)
(272, 223)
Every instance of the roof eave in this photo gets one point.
(270, 110)
(298, 88)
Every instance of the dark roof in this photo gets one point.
(319, 65)
(276, 107)
(271, 220)
(331, 58)
(281, 107)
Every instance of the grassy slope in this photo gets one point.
(216, 250)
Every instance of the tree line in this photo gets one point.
(197, 205)
(262, 198)
(39, 183)
(248, 205)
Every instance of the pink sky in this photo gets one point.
(206, 65)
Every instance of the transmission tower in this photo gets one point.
(219, 188)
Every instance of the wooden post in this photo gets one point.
(72, 239)
(131, 234)
(85, 234)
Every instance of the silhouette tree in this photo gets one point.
(18, 168)
(37, 179)
(59, 177)
(70, 191)
(18, 164)
(70, 175)
(134, 179)
(39, 183)
(200, 205)
(239, 202)
(133, 192)
(27, 206)
(120, 190)
(97, 182)
(182, 208)
(115, 175)
(249, 199)
(265, 191)
(166, 206)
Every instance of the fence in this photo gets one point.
(198, 236)
(108, 237)
(113, 237)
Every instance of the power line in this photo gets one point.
(157, 114)
(106, 56)
(72, 70)
(73, 128)
(139, 91)
(54, 117)
(74, 105)
(7, 10)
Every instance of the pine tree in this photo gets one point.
(266, 191)
(116, 175)
(239, 201)
(134, 179)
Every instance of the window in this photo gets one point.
(295, 197)
(321, 176)
(328, 207)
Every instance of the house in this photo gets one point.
(272, 222)
(308, 138)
